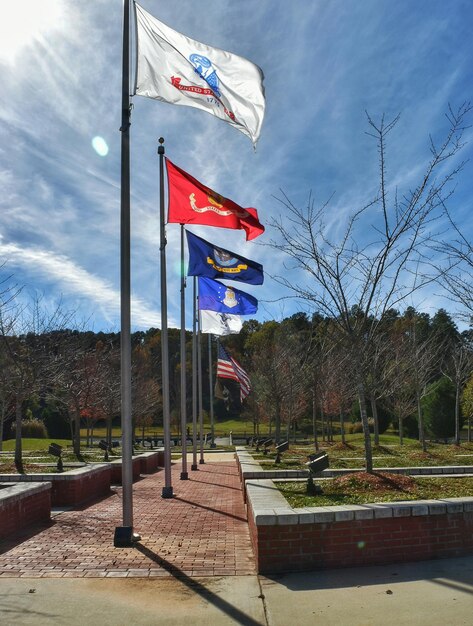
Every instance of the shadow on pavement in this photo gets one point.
(232, 611)
(456, 573)
(209, 508)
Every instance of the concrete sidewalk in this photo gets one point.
(432, 593)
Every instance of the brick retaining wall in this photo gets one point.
(151, 461)
(286, 539)
(76, 486)
(23, 505)
(73, 487)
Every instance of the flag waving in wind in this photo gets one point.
(228, 367)
(191, 202)
(215, 296)
(220, 324)
(176, 69)
(205, 259)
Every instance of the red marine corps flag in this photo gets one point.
(191, 202)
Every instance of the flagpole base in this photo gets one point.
(213, 445)
(194, 468)
(201, 462)
(167, 492)
(125, 537)
(184, 476)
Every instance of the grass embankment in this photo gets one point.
(221, 429)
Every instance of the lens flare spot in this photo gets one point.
(100, 146)
(361, 545)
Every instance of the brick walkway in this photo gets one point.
(202, 531)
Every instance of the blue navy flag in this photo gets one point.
(205, 259)
(215, 296)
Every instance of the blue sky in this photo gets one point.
(325, 63)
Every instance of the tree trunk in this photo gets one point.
(314, 424)
(420, 419)
(109, 431)
(342, 427)
(374, 411)
(366, 428)
(18, 447)
(2, 422)
(76, 440)
(322, 417)
(457, 415)
(401, 438)
(277, 425)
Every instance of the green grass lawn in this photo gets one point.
(34, 444)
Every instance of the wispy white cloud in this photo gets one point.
(72, 280)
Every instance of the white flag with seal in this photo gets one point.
(176, 69)
(220, 323)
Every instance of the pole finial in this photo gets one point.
(161, 147)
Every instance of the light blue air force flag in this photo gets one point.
(215, 296)
(206, 259)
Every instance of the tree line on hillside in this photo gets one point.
(417, 373)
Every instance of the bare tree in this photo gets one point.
(458, 368)
(467, 405)
(356, 278)
(456, 274)
(76, 374)
(25, 333)
(279, 359)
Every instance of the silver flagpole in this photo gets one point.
(199, 367)
(124, 535)
(167, 489)
(194, 376)
(211, 395)
(184, 474)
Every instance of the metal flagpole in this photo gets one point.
(167, 489)
(124, 535)
(194, 376)
(184, 474)
(211, 396)
(199, 369)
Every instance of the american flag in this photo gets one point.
(227, 367)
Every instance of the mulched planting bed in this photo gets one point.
(363, 488)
